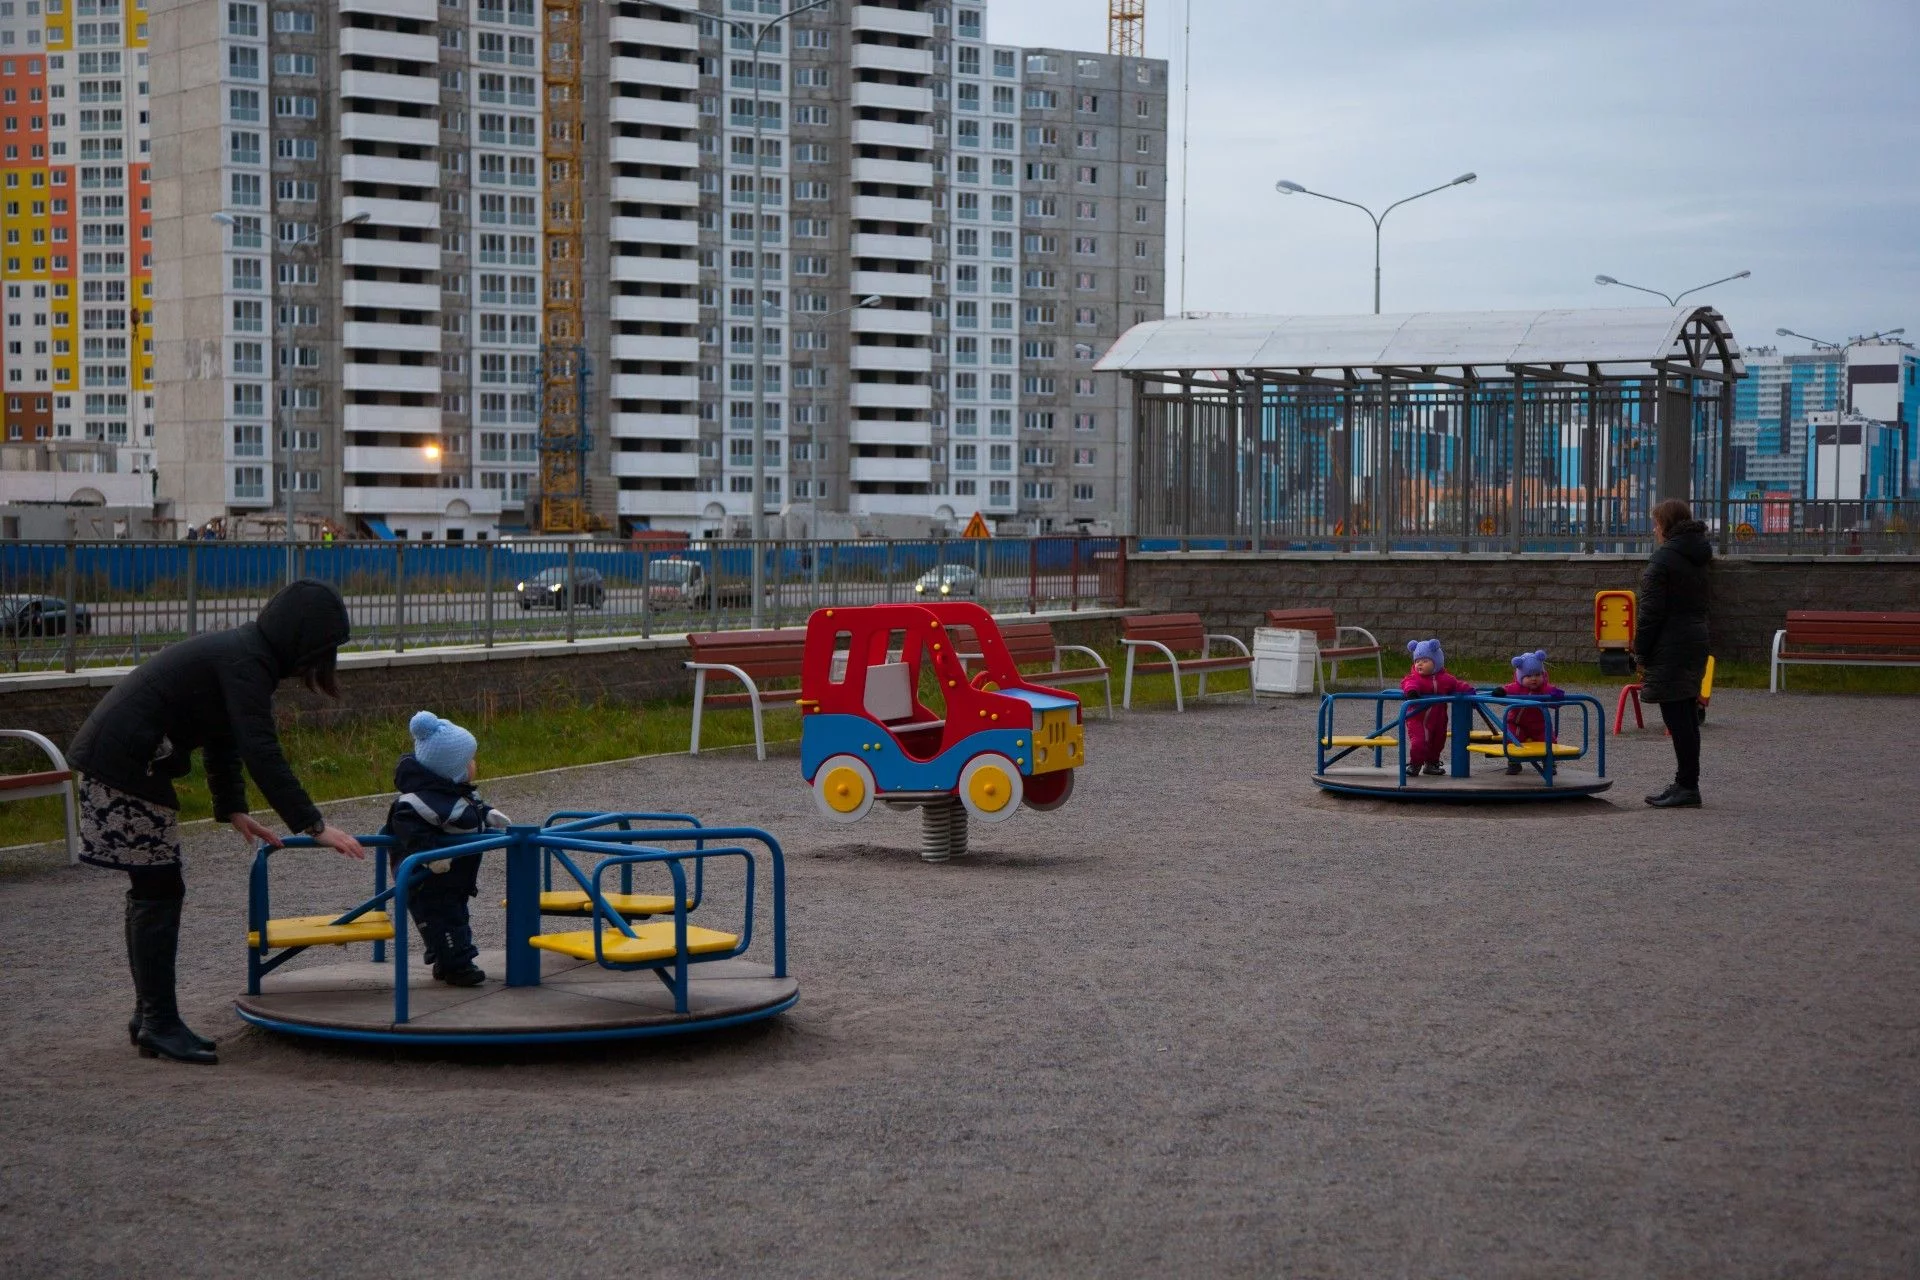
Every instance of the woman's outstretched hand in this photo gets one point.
(340, 842)
(252, 831)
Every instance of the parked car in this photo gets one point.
(677, 583)
(41, 616)
(548, 589)
(948, 580)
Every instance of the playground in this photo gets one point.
(1207, 1018)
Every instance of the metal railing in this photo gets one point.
(128, 599)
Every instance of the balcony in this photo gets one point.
(384, 86)
(403, 419)
(892, 209)
(666, 466)
(891, 395)
(417, 10)
(891, 97)
(656, 191)
(382, 212)
(901, 22)
(657, 310)
(646, 346)
(887, 133)
(890, 470)
(666, 75)
(412, 379)
(656, 111)
(673, 231)
(408, 131)
(401, 47)
(654, 426)
(656, 151)
(393, 500)
(898, 504)
(638, 270)
(395, 460)
(663, 35)
(673, 388)
(364, 336)
(883, 320)
(390, 171)
(390, 295)
(399, 255)
(892, 57)
(918, 435)
(892, 284)
(897, 248)
(898, 173)
(670, 502)
(892, 359)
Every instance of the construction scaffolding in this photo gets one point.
(563, 365)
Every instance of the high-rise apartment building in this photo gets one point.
(1828, 424)
(76, 365)
(387, 227)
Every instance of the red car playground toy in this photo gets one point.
(890, 712)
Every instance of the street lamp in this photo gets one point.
(225, 219)
(1673, 300)
(1286, 188)
(757, 499)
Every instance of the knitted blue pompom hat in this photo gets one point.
(1428, 649)
(1531, 664)
(441, 745)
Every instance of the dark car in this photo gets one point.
(548, 589)
(41, 616)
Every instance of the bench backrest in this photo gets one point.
(1180, 632)
(1029, 642)
(1318, 621)
(1836, 629)
(764, 655)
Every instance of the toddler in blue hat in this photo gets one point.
(437, 807)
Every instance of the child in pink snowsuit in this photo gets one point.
(1529, 724)
(1427, 727)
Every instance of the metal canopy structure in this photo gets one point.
(1500, 430)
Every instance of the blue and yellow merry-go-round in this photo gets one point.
(1362, 747)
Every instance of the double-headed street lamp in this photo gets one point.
(1673, 299)
(1286, 188)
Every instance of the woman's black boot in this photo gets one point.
(154, 928)
(133, 963)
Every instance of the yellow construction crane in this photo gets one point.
(1127, 27)
(563, 384)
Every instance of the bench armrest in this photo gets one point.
(1360, 631)
(1059, 662)
(1148, 644)
(1235, 641)
(735, 672)
(45, 744)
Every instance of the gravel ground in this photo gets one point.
(1202, 1021)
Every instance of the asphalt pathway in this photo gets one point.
(1202, 1021)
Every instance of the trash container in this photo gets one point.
(1284, 661)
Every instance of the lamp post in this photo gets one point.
(312, 237)
(1673, 300)
(1843, 404)
(757, 499)
(1286, 188)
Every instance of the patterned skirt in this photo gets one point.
(119, 831)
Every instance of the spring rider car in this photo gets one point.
(989, 742)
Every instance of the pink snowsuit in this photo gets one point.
(1529, 724)
(1427, 727)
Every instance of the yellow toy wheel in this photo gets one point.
(843, 789)
(990, 787)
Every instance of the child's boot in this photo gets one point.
(1515, 768)
(1433, 769)
(456, 967)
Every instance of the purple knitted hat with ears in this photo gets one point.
(1531, 664)
(1428, 649)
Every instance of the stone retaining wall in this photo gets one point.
(1493, 606)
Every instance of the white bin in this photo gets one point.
(1284, 661)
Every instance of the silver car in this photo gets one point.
(948, 580)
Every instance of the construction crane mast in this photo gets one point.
(563, 364)
(1126, 27)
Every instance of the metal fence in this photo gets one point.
(127, 599)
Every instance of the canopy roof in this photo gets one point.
(1580, 345)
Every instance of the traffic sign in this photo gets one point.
(1487, 526)
(1743, 531)
(977, 527)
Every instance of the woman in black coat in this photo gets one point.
(213, 693)
(1670, 641)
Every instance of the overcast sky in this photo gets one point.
(1667, 144)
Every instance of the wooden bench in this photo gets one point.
(1173, 634)
(1031, 644)
(752, 658)
(1327, 633)
(1819, 638)
(57, 781)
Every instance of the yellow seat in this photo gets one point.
(320, 931)
(651, 942)
(1486, 735)
(1348, 740)
(1524, 750)
(574, 902)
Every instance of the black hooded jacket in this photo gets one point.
(215, 692)
(1670, 639)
